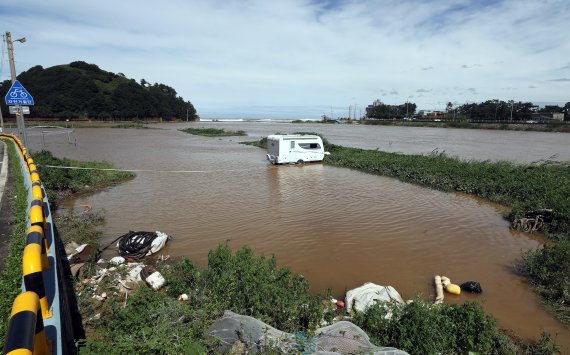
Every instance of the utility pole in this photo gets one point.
(19, 115)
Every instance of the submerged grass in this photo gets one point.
(213, 132)
(61, 183)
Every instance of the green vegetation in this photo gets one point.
(548, 268)
(60, 183)
(240, 281)
(129, 125)
(82, 90)
(213, 132)
(11, 276)
(421, 328)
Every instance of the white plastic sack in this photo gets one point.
(369, 294)
(158, 243)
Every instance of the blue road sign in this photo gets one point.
(17, 95)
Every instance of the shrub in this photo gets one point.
(421, 328)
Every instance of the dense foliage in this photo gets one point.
(548, 268)
(421, 328)
(498, 110)
(382, 111)
(63, 182)
(82, 90)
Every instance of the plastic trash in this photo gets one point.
(369, 294)
(158, 243)
(438, 290)
(117, 260)
(155, 280)
(471, 286)
(453, 289)
(449, 287)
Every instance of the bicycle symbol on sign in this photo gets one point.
(18, 93)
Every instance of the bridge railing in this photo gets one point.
(40, 320)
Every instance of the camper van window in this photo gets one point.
(292, 144)
(310, 145)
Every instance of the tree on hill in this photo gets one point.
(83, 90)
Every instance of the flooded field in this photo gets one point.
(337, 227)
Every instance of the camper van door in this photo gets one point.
(292, 154)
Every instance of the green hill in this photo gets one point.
(82, 90)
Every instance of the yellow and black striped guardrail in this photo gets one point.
(40, 322)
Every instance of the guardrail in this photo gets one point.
(41, 321)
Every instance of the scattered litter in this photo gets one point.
(77, 270)
(80, 254)
(152, 277)
(134, 274)
(532, 220)
(117, 260)
(183, 297)
(339, 304)
(471, 286)
(369, 294)
(449, 287)
(438, 290)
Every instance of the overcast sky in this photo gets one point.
(303, 58)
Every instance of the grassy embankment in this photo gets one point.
(522, 187)
(213, 132)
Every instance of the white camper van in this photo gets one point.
(286, 149)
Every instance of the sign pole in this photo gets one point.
(19, 115)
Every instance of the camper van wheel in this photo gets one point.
(300, 161)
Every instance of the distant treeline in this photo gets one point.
(490, 110)
(498, 110)
(80, 90)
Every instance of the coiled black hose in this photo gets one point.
(135, 245)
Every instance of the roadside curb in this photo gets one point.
(3, 171)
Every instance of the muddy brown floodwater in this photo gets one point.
(337, 227)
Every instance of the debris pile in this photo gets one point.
(121, 274)
(532, 220)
